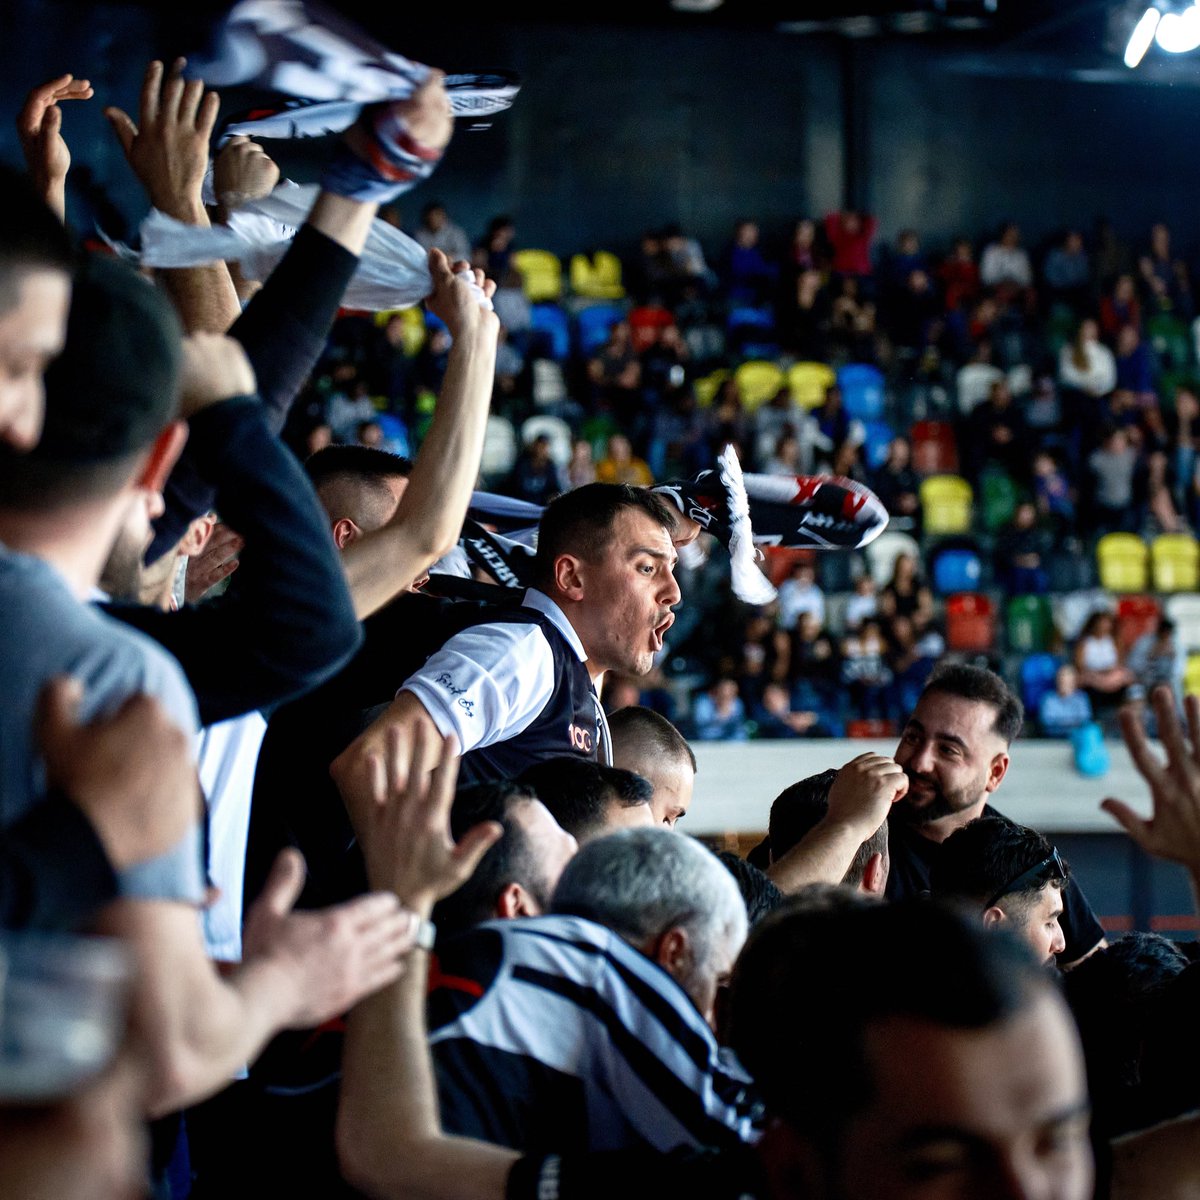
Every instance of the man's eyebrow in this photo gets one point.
(938, 736)
(672, 558)
(927, 1135)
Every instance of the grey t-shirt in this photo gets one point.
(45, 631)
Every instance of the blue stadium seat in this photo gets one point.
(862, 391)
(550, 322)
(956, 570)
(593, 325)
(1037, 678)
(875, 449)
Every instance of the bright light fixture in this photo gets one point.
(1141, 37)
(1179, 33)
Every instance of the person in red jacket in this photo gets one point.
(850, 234)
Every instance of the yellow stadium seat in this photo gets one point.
(706, 389)
(757, 383)
(1175, 563)
(597, 278)
(541, 274)
(809, 381)
(1191, 675)
(947, 502)
(1122, 561)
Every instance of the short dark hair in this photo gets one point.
(650, 733)
(508, 861)
(758, 890)
(32, 238)
(580, 522)
(577, 792)
(983, 686)
(109, 394)
(978, 861)
(809, 984)
(361, 462)
(798, 810)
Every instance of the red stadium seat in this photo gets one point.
(970, 623)
(870, 727)
(934, 450)
(1136, 616)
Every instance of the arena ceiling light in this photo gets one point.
(1174, 27)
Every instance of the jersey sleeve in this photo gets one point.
(486, 684)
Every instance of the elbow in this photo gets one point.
(174, 1080)
(366, 1165)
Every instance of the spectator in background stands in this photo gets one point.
(898, 485)
(774, 717)
(904, 258)
(1121, 307)
(1005, 262)
(581, 469)
(1158, 660)
(1086, 363)
(1112, 467)
(959, 275)
(816, 668)
(751, 277)
(536, 477)
(495, 248)
(913, 650)
(1100, 662)
(1063, 710)
(1166, 277)
(1055, 497)
(621, 465)
(718, 715)
(786, 458)
(437, 231)
(513, 307)
(852, 331)
(975, 379)
(1021, 552)
(850, 234)
(689, 272)
(864, 604)
(1067, 272)
(804, 256)
(799, 594)
(865, 670)
(996, 433)
(615, 372)
(1184, 423)
(1135, 366)
(906, 594)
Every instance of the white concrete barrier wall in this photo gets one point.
(738, 780)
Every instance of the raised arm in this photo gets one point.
(389, 1133)
(168, 151)
(860, 799)
(430, 515)
(39, 126)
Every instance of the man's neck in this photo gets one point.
(75, 542)
(938, 831)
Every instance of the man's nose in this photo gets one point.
(671, 595)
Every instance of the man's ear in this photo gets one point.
(344, 532)
(163, 455)
(875, 874)
(514, 901)
(994, 916)
(997, 771)
(568, 576)
(672, 951)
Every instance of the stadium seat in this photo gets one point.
(998, 497)
(1170, 339)
(934, 448)
(556, 429)
(1037, 678)
(947, 503)
(970, 623)
(1184, 610)
(598, 277)
(645, 324)
(862, 391)
(541, 274)
(708, 386)
(499, 447)
(956, 569)
(1122, 560)
(593, 324)
(1029, 624)
(549, 383)
(1175, 563)
(758, 383)
(875, 448)
(809, 381)
(1191, 675)
(1072, 609)
(550, 322)
(413, 331)
(1136, 616)
(883, 552)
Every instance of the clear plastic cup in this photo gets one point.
(63, 1010)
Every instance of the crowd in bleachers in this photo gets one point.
(1029, 420)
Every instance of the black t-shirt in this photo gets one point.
(912, 858)
(729, 1174)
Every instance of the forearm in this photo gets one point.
(1162, 1163)
(204, 297)
(429, 518)
(390, 1140)
(823, 856)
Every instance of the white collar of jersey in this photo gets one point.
(558, 618)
